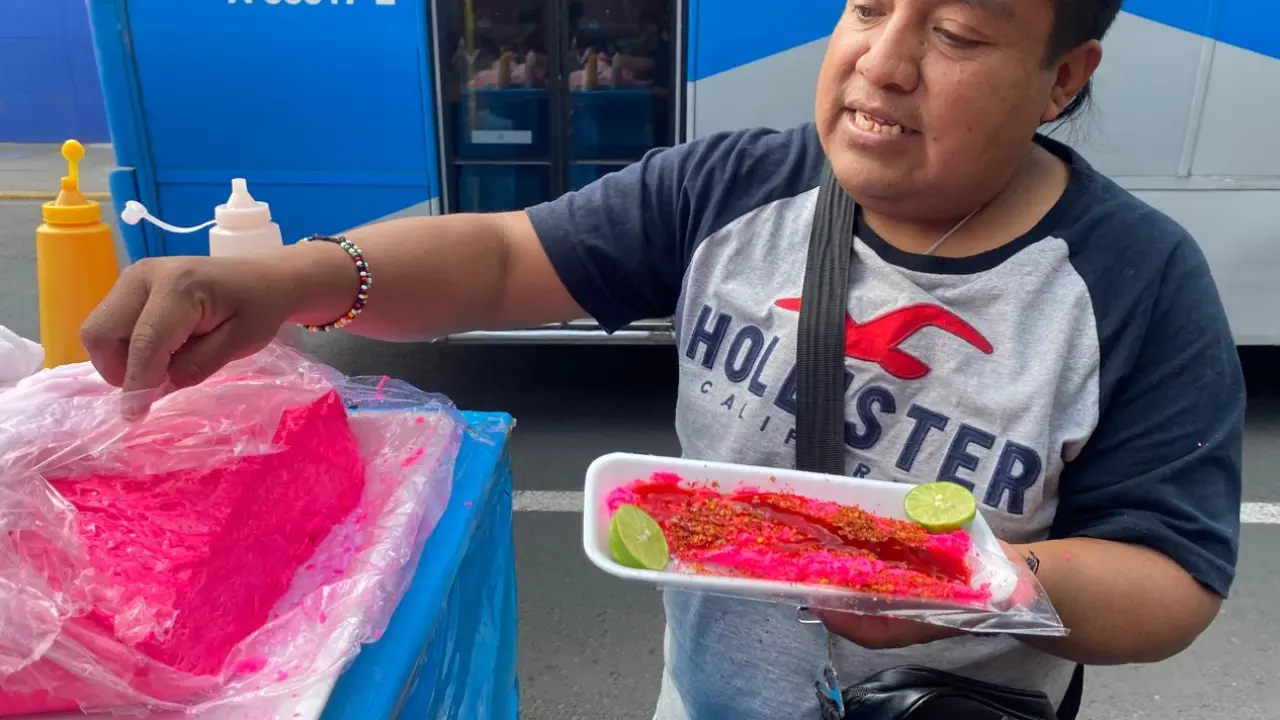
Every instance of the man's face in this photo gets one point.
(925, 107)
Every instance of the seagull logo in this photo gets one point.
(878, 339)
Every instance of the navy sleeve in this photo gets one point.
(621, 244)
(1163, 467)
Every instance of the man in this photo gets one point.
(1018, 324)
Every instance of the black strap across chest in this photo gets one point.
(820, 356)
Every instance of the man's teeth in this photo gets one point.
(866, 123)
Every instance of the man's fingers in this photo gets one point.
(106, 332)
(883, 633)
(165, 323)
(109, 357)
(204, 355)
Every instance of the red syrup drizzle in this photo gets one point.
(699, 520)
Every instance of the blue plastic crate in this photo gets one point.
(509, 124)
(612, 123)
(496, 188)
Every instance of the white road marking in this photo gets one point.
(567, 501)
(547, 501)
(1260, 513)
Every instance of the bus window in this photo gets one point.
(544, 96)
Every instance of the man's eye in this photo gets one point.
(956, 40)
(864, 12)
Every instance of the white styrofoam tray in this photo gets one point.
(615, 470)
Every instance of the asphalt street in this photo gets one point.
(590, 646)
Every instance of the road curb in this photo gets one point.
(46, 195)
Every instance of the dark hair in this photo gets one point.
(1076, 22)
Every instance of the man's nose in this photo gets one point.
(892, 57)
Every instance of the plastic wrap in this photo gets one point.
(811, 553)
(350, 476)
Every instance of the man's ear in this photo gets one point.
(1074, 71)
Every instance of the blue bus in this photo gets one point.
(342, 112)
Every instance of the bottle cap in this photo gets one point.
(241, 211)
(71, 207)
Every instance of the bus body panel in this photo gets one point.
(1181, 117)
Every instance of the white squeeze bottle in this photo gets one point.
(241, 226)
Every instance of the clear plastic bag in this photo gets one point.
(116, 533)
(803, 553)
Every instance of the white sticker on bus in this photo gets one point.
(501, 137)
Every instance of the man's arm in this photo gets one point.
(1146, 535)
(1123, 603)
(433, 276)
(615, 250)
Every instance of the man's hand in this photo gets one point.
(181, 319)
(883, 633)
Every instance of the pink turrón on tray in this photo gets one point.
(783, 536)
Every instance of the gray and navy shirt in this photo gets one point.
(1090, 388)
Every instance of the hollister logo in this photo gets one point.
(877, 340)
(893, 427)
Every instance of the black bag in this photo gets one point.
(922, 694)
(903, 693)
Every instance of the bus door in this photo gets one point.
(540, 97)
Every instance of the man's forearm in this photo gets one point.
(431, 276)
(1122, 603)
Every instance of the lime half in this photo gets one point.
(940, 507)
(636, 540)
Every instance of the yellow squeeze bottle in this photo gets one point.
(76, 265)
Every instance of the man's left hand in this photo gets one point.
(883, 633)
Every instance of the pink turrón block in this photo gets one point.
(185, 565)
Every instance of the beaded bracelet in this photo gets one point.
(366, 279)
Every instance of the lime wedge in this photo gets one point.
(940, 507)
(636, 540)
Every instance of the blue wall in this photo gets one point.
(749, 30)
(49, 88)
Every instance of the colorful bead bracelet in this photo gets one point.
(366, 279)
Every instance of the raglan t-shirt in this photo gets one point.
(1081, 380)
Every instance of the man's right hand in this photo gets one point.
(183, 318)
